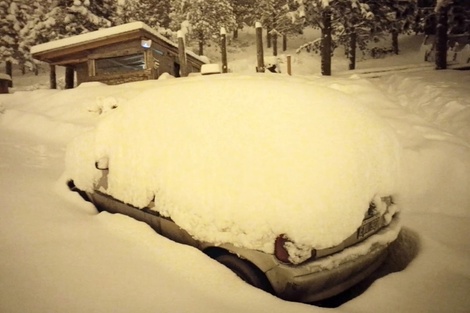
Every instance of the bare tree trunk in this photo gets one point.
(268, 38)
(395, 41)
(9, 71)
(201, 42)
(235, 34)
(284, 42)
(274, 39)
(326, 43)
(352, 50)
(441, 38)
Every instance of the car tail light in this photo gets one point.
(288, 252)
(280, 250)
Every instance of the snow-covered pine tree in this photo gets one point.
(13, 16)
(244, 13)
(7, 37)
(25, 12)
(277, 16)
(83, 16)
(392, 17)
(151, 12)
(55, 19)
(125, 12)
(8, 40)
(353, 22)
(205, 18)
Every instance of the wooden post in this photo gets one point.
(9, 71)
(69, 77)
(223, 49)
(182, 55)
(259, 48)
(289, 65)
(52, 77)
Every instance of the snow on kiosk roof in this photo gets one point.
(119, 54)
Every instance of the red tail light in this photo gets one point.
(288, 252)
(280, 250)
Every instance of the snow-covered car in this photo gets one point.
(287, 183)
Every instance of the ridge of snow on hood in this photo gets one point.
(243, 159)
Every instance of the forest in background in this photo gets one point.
(348, 23)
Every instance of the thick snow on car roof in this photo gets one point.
(243, 159)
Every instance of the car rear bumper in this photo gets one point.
(306, 282)
(327, 283)
(331, 275)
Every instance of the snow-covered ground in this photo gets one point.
(58, 255)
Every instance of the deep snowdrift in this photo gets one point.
(58, 255)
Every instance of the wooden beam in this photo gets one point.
(68, 62)
(81, 47)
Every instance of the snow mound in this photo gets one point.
(243, 159)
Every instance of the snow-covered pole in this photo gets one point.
(259, 48)
(223, 49)
(182, 54)
(289, 65)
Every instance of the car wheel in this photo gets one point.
(246, 271)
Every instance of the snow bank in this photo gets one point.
(449, 110)
(243, 159)
(431, 116)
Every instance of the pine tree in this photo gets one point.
(13, 16)
(205, 18)
(244, 13)
(84, 16)
(151, 12)
(276, 16)
(353, 23)
(7, 36)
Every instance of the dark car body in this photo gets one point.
(330, 272)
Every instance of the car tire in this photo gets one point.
(246, 271)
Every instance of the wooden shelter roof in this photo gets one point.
(76, 49)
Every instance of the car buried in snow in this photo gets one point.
(287, 183)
